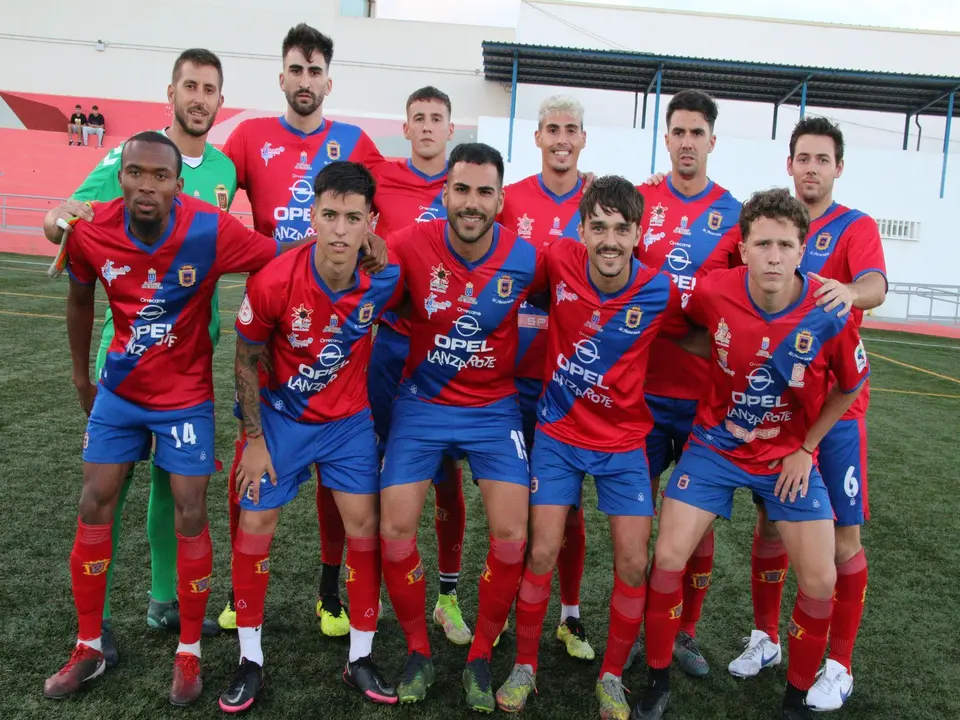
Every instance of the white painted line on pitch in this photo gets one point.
(868, 340)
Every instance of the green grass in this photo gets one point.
(906, 661)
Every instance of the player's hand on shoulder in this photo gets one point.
(374, 253)
(794, 476)
(588, 178)
(833, 294)
(86, 393)
(254, 464)
(655, 179)
(63, 217)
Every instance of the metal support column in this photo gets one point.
(643, 118)
(776, 112)
(946, 144)
(656, 121)
(513, 105)
(906, 130)
(803, 100)
(636, 100)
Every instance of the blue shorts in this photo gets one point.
(389, 355)
(119, 431)
(842, 459)
(529, 390)
(707, 480)
(345, 452)
(672, 422)
(622, 478)
(490, 437)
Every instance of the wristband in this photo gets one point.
(808, 452)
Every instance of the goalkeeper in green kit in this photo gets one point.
(208, 174)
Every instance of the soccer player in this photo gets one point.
(410, 191)
(690, 229)
(844, 252)
(312, 312)
(467, 277)
(156, 382)
(277, 159)
(783, 372)
(545, 208)
(195, 92)
(605, 309)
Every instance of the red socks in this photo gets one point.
(194, 567)
(572, 558)
(626, 617)
(851, 592)
(363, 582)
(768, 567)
(332, 534)
(532, 602)
(664, 608)
(498, 588)
(696, 582)
(403, 576)
(233, 500)
(451, 523)
(89, 560)
(808, 639)
(251, 574)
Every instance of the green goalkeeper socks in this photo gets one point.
(162, 536)
(117, 520)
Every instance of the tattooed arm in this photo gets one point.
(256, 461)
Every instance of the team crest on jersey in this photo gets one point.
(658, 215)
(860, 356)
(714, 220)
(683, 482)
(151, 283)
(722, 335)
(525, 226)
(504, 286)
(633, 317)
(200, 584)
(431, 305)
(304, 163)
(96, 567)
(764, 350)
(564, 294)
(301, 318)
(722, 361)
(467, 298)
(823, 241)
(111, 272)
(245, 314)
(555, 230)
(333, 150)
(268, 152)
(223, 197)
(439, 279)
(594, 322)
(796, 375)
(333, 327)
(187, 275)
(683, 228)
(803, 342)
(366, 313)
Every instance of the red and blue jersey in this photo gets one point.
(687, 237)
(463, 320)
(318, 341)
(160, 295)
(541, 216)
(598, 346)
(276, 165)
(844, 245)
(405, 196)
(769, 374)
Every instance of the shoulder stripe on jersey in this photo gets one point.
(195, 258)
(821, 243)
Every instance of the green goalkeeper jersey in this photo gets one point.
(213, 180)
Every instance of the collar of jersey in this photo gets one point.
(559, 199)
(689, 198)
(471, 266)
(826, 215)
(151, 249)
(423, 175)
(299, 133)
(634, 269)
(334, 296)
(206, 149)
(770, 317)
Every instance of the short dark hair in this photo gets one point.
(777, 204)
(94, 108)
(477, 154)
(430, 93)
(201, 58)
(76, 106)
(151, 136)
(694, 101)
(612, 193)
(818, 126)
(308, 40)
(345, 178)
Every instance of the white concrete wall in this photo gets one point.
(886, 184)
(377, 63)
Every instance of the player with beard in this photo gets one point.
(277, 159)
(843, 245)
(195, 92)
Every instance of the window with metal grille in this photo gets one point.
(891, 229)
